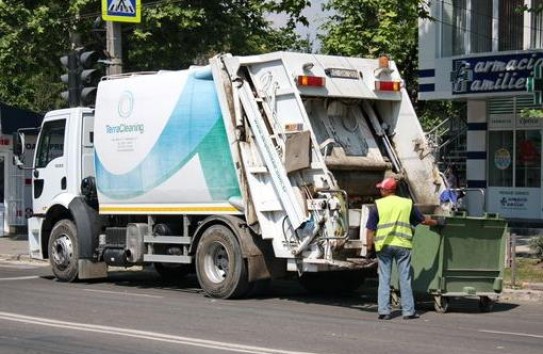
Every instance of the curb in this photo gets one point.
(22, 258)
(523, 295)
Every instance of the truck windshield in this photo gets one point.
(51, 143)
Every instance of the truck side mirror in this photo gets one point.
(18, 144)
(18, 149)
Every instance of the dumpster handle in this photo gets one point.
(480, 190)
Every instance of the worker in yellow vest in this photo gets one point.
(390, 229)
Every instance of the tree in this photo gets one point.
(203, 28)
(368, 28)
(173, 33)
(30, 43)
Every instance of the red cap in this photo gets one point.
(388, 184)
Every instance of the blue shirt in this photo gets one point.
(415, 218)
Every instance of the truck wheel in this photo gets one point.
(64, 251)
(220, 268)
(172, 272)
(334, 282)
(395, 300)
(485, 304)
(441, 304)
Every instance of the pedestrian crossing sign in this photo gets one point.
(121, 10)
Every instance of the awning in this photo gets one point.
(12, 118)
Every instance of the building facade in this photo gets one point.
(482, 52)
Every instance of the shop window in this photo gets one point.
(528, 158)
(481, 26)
(500, 158)
(511, 25)
(536, 25)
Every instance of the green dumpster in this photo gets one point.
(464, 258)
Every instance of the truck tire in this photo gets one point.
(332, 282)
(64, 251)
(220, 267)
(441, 304)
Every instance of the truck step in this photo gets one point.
(354, 244)
(161, 258)
(177, 240)
(257, 169)
(363, 262)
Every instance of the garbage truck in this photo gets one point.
(248, 169)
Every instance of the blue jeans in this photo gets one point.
(402, 257)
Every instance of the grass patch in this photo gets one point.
(528, 270)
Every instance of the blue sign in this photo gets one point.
(497, 73)
(121, 10)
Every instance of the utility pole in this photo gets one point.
(114, 48)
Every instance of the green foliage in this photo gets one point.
(367, 28)
(172, 35)
(531, 113)
(188, 32)
(527, 270)
(536, 245)
(30, 33)
(431, 113)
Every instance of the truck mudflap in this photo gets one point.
(88, 226)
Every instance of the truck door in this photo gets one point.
(87, 146)
(49, 175)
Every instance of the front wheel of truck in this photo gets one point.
(220, 267)
(64, 251)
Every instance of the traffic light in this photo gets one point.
(535, 84)
(89, 76)
(71, 79)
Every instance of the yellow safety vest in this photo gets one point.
(394, 228)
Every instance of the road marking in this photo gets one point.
(20, 278)
(122, 293)
(512, 333)
(204, 343)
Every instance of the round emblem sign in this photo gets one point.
(502, 159)
(126, 104)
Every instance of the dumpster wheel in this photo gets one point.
(394, 299)
(486, 303)
(441, 303)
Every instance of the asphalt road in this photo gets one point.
(135, 312)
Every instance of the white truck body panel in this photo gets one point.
(148, 150)
(293, 64)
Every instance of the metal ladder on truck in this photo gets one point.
(259, 104)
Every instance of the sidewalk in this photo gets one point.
(14, 248)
